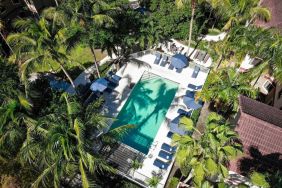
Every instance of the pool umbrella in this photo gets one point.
(99, 85)
(179, 61)
(190, 103)
(174, 126)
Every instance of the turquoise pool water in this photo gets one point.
(146, 108)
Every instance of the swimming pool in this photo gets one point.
(146, 108)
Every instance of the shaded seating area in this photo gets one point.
(179, 62)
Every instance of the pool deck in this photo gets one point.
(114, 101)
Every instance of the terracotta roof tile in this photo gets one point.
(260, 131)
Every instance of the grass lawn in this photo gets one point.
(81, 56)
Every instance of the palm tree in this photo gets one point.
(14, 122)
(242, 12)
(2, 36)
(204, 158)
(223, 88)
(62, 143)
(180, 4)
(91, 15)
(62, 147)
(40, 42)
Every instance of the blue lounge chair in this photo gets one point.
(184, 113)
(171, 67)
(164, 61)
(116, 77)
(165, 155)
(190, 94)
(196, 72)
(179, 70)
(194, 87)
(169, 134)
(168, 148)
(158, 58)
(162, 165)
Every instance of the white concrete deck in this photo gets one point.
(131, 73)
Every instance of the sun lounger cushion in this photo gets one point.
(169, 134)
(194, 87)
(196, 72)
(171, 67)
(161, 164)
(168, 148)
(165, 155)
(164, 61)
(183, 112)
(158, 58)
(179, 70)
(116, 77)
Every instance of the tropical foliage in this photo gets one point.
(223, 88)
(204, 157)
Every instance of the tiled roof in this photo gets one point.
(260, 130)
(261, 111)
(275, 7)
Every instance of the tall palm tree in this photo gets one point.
(223, 87)
(89, 15)
(180, 4)
(40, 42)
(204, 159)
(62, 143)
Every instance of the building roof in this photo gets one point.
(275, 7)
(260, 130)
(261, 111)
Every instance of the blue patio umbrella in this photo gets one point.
(99, 85)
(179, 61)
(190, 103)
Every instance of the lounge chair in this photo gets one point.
(206, 58)
(196, 72)
(171, 67)
(116, 77)
(190, 94)
(179, 70)
(158, 58)
(161, 164)
(168, 148)
(184, 113)
(169, 134)
(194, 87)
(165, 155)
(164, 61)
(196, 54)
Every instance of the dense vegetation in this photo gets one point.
(47, 137)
